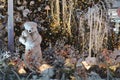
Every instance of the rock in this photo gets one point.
(32, 3)
(47, 71)
(1, 16)
(89, 61)
(19, 2)
(94, 76)
(79, 62)
(26, 12)
(116, 56)
(70, 62)
(20, 8)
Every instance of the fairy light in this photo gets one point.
(21, 71)
(86, 65)
(44, 67)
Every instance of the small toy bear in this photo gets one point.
(32, 40)
(26, 40)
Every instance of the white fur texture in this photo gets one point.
(26, 40)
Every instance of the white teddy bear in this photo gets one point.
(32, 40)
(26, 40)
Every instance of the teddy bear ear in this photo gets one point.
(30, 24)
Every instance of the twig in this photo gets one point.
(16, 74)
(29, 75)
(3, 74)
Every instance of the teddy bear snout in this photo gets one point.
(28, 49)
(29, 31)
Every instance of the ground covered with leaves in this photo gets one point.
(66, 62)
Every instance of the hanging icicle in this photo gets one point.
(94, 27)
(98, 30)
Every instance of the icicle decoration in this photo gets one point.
(98, 28)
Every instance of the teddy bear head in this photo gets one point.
(30, 27)
(25, 33)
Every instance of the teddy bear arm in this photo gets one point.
(22, 40)
(39, 39)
